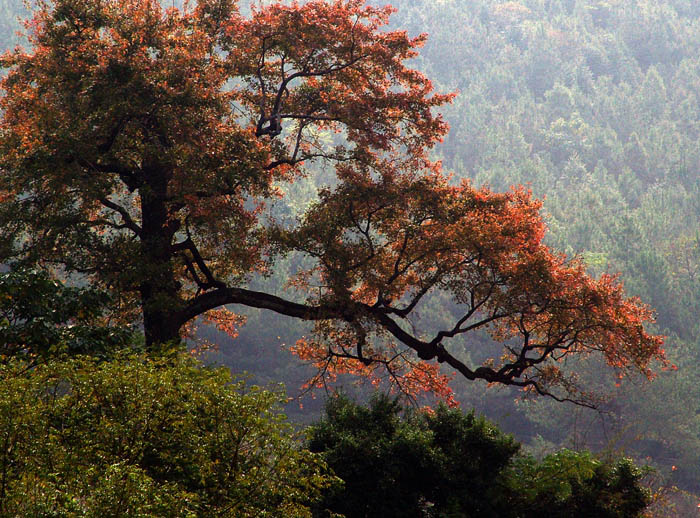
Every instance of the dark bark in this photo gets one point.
(158, 287)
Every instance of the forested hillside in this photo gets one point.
(594, 105)
(11, 12)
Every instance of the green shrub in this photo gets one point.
(142, 437)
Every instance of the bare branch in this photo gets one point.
(190, 246)
(126, 217)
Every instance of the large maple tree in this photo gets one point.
(141, 147)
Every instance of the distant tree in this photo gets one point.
(452, 464)
(570, 484)
(147, 437)
(139, 148)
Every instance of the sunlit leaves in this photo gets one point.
(147, 437)
(385, 243)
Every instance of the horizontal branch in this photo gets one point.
(349, 312)
(257, 299)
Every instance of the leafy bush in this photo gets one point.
(40, 317)
(142, 437)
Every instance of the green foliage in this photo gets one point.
(41, 317)
(571, 484)
(418, 465)
(451, 464)
(143, 437)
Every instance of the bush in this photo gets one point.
(40, 317)
(142, 437)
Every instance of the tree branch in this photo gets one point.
(126, 217)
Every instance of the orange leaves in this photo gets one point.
(426, 378)
(225, 321)
(389, 368)
(121, 95)
(397, 235)
(222, 319)
(390, 243)
(328, 65)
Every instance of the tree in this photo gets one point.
(144, 436)
(394, 465)
(447, 463)
(40, 318)
(140, 146)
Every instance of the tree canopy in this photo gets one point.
(141, 149)
(396, 463)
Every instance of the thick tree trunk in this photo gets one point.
(159, 326)
(159, 290)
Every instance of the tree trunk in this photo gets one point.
(159, 290)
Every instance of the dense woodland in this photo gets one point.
(593, 105)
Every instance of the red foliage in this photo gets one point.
(386, 243)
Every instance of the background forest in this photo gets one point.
(594, 105)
